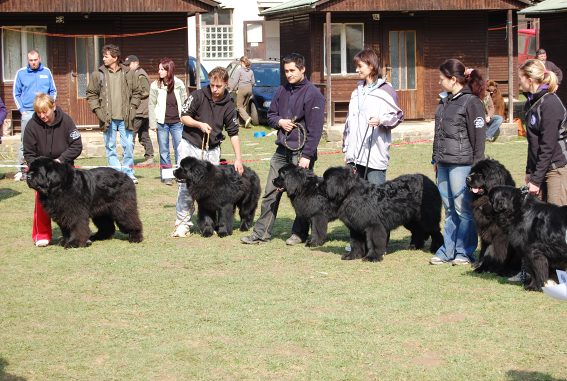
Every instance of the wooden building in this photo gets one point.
(70, 34)
(552, 16)
(412, 37)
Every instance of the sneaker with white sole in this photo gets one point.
(19, 176)
(134, 179)
(42, 242)
(348, 248)
(460, 261)
(435, 260)
(181, 231)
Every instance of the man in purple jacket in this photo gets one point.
(296, 111)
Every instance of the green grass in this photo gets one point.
(214, 309)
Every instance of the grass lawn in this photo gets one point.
(214, 309)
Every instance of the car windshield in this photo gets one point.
(266, 74)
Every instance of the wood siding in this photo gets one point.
(554, 41)
(61, 51)
(440, 35)
(415, 5)
(107, 6)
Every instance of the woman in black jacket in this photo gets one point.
(546, 169)
(51, 133)
(458, 143)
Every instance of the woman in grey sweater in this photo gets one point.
(243, 82)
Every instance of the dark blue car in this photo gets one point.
(191, 69)
(267, 76)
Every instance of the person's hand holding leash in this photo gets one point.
(286, 124)
(374, 121)
(238, 167)
(205, 128)
(304, 163)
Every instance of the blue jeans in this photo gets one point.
(26, 117)
(163, 131)
(373, 176)
(493, 126)
(126, 141)
(459, 234)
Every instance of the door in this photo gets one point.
(254, 44)
(403, 63)
(84, 57)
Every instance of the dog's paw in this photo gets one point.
(207, 232)
(347, 257)
(222, 233)
(313, 243)
(135, 238)
(372, 258)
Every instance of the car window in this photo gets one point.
(266, 74)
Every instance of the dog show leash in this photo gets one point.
(301, 136)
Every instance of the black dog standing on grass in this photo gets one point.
(308, 199)
(495, 254)
(218, 190)
(71, 196)
(537, 231)
(371, 212)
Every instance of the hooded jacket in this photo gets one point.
(201, 107)
(304, 103)
(545, 115)
(381, 101)
(60, 141)
(28, 83)
(99, 98)
(459, 129)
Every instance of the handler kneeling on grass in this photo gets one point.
(297, 104)
(204, 115)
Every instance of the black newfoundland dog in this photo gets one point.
(309, 201)
(536, 230)
(71, 196)
(495, 254)
(218, 190)
(371, 212)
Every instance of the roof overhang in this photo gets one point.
(545, 7)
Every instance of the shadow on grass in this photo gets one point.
(521, 375)
(491, 277)
(6, 193)
(4, 376)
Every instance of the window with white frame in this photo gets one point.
(216, 34)
(16, 42)
(346, 40)
(403, 74)
(88, 58)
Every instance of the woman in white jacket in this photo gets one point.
(373, 112)
(167, 95)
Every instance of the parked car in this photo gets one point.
(267, 76)
(192, 70)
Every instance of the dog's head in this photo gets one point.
(192, 170)
(48, 176)
(292, 179)
(506, 199)
(337, 182)
(487, 174)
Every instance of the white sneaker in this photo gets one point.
(134, 179)
(181, 231)
(348, 248)
(42, 242)
(18, 176)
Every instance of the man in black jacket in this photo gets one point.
(542, 56)
(296, 111)
(205, 114)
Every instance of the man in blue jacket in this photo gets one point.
(30, 80)
(296, 105)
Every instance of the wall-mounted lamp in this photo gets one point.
(59, 19)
